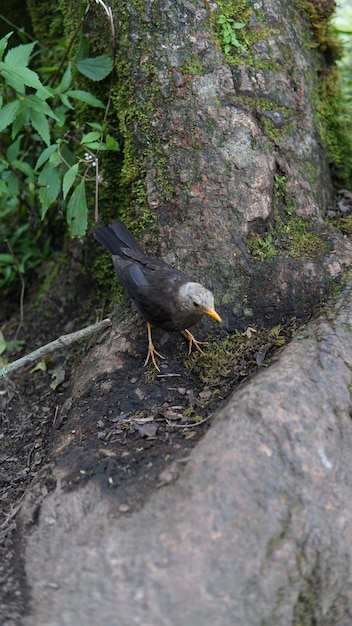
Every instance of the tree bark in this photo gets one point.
(229, 147)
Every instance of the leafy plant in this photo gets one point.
(8, 345)
(26, 253)
(55, 174)
(228, 28)
(46, 158)
(264, 248)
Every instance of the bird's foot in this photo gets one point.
(150, 355)
(151, 350)
(192, 341)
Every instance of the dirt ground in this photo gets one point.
(131, 431)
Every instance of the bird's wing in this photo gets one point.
(152, 285)
(156, 267)
(117, 239)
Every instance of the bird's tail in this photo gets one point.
(115, 237)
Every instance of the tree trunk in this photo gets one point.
(229, 151)
(225, 173)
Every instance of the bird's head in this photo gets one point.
(195, 297)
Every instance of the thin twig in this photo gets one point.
(63, 341)
(194, 424)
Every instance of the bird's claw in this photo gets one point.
(151, 350)
(192, 341)
(150, 355)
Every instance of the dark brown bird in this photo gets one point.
(163, 295)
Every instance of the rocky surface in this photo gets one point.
(253, 527)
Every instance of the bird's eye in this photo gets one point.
(196, 305)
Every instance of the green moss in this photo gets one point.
(305, 609)
(192, 66)
(335, 133)
(344, 224)
(319, 13)
(231, 359)
(104, 274)
(238, 12)
(332, 116)
(47, 26)
(287, 234)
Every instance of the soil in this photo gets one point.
(131, 431)
(131, 441)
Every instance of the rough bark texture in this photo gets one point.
(207, 136)
(255, 531)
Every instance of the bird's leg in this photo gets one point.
(192, 341)
(151, 349)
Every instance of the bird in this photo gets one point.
(164, 296)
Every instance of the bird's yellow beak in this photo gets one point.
(212, 313)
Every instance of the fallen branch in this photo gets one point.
(63, 341)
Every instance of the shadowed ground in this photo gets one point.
(254, 528)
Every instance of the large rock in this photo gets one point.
(256, 530)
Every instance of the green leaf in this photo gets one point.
(20, 55)
(111, 143)
(94, 135)
(19, 233)
(61, 113)
(13, 184)
(3, 43)
(41, 125)
(77, 211)
(13, 150)
(14, 343)
(66, 80)
(5, 259)
(65, 101)
(17, 77)
(95, 145)
(49, 180)
(23, 167)
(96, 126)
(66, 154)
(83, 47)
(38, 104)
(8, 113)
(41, 366)
(69, 179)
(55, 159)
(96, 68)
(2, 343)
(45, 155)
(4, 190)
(19, 123)
(58, 375)
(46, 92)
(85, 96)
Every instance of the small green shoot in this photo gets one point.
(228, 33)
